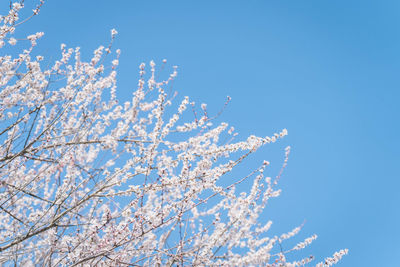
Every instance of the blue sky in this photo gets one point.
(328, 71)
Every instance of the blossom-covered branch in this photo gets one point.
(87, 181)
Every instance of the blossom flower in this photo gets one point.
(12, 41)
(113, 33)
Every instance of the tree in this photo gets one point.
(86, 181)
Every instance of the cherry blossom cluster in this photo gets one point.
(88, 181)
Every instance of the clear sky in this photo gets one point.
(328, 71)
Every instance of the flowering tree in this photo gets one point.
(85, 181)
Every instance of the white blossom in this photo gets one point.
(113, 33)
(12, 41)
